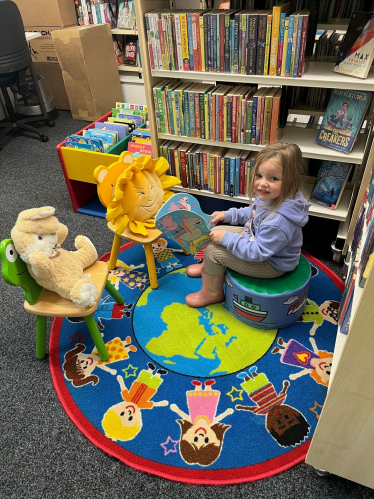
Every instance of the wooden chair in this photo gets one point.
(44, 303)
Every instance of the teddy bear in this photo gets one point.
(37, 237)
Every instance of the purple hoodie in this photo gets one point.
(278, 237)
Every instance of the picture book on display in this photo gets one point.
(126, 17)
(329, 184)
(356, 51)
(182, 220)
(343, 118)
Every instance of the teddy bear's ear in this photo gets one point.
(36, 213)
(100, 173)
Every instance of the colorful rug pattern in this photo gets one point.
(195, 395)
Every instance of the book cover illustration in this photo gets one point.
(356, 51)
(126, 18)
(182, 220)
(329, 184)
(343, 118)
(130, 54)
(118, 50)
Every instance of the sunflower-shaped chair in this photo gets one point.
(133, 190)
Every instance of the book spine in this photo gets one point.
(236, 44)
(274, 41)
(291, 25)
(252, 43)
(261, 42)
(176, 163)
(206, 115)
(225, 118)
(197, 114)
(254, 120)
(229, 117)
(162, 45)
(240, 43)
(248, 122)
(172, 47)
(294, 41)
(157, 41)
(234, 136)
(202, 115)
(178, 39)
(195, 29)
(297, 46)
(181, 114)
(210, 172)
(191, 108)
(170, 112)
(165, 36)
(175, 101)
(222, 38)
(267, 46)
(304, 34)
(226, 68)
(203, 41)
(281, 42)
(190, 41)
(226, 180)
(186, 114)
(157, 116)
(213, 41)
(239, 117)
(216, 117)
(218, 44)
(220, 118)
(274, 120)
(267, 120)
(183, 168)
(260, 120)
(243, 119)
(232, 45)
(237, 176)
(205, 170)
(285, 43)
(242, 177)
(160, 108)
(212, 117)
(243, 58)
(232, 177)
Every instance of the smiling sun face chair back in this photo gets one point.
(133, 190)
(44, 303)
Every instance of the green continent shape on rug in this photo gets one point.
(206, 334)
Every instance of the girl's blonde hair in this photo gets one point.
(293, 167)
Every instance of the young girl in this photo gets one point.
(270, 242)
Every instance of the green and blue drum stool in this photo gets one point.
(268, 303)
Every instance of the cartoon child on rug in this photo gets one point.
(328, 311)
(165, 256)
(123, 421)
(284, 423)
(317, 363)
(78, 366)
(126, 274)
(201, 432)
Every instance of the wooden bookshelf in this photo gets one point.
(134, 69)
(124, 31)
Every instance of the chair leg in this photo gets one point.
(38, 92)
(96, 336)
(151, 266)
(114, 253)
(114, 293)
(41, 335)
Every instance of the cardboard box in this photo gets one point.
(57, 13)
(53, 83)
(89, 69)
(42, 49)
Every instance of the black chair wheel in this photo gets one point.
(51, 123)
(44, 138)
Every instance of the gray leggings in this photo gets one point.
(217, 258)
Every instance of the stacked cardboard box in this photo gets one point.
(46, 16)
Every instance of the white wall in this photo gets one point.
(132, 88)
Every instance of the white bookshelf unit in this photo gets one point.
(343, 443)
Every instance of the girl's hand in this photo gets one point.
(217, 235)
(219, 216)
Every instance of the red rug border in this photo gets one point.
(196, 477)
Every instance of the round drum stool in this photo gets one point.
(268, 303)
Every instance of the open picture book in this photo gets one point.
(182, 220)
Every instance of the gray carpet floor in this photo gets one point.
(43, 454)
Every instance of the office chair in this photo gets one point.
(15, 59)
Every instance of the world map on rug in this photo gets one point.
(195, 395)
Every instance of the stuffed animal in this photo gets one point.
(37, 237)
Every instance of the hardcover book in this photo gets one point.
(343, 118)
(329, 184)
(356, 51)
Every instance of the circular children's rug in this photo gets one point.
(195, 395)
